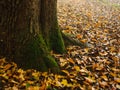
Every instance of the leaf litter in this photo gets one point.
(93, 68)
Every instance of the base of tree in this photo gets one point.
(35, 55)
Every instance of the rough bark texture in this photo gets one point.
(49, 24)
(29, 31)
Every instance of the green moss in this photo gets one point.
(56, 41)
(51, 64)
(36, 56)
(33, 52)
(32, 49)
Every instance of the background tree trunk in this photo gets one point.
(32, 32)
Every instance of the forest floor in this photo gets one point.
(97, 67)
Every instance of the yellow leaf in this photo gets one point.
(36, 88)
(66, 72)
(84, 40)
(113, 74)
(98, 24)
(64, 82)
(22, 77)
(44, 74)
(20, 71)
(104, 77)
(36, 75)
(86, 50)
(77, 68)
(79, 36)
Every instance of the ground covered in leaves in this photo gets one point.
(96, 22)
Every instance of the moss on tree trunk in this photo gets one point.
(36, 55)
(57, 43)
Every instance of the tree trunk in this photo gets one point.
(29, 31)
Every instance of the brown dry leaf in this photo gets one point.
(103, 83)
(35, 88)
(94, 40)
(95, 65)
(113, 74)
(106, 30)
(15, 88)
(117, 80)
(115, 69)
(83, 71)
(112, 49)
(118, 86)
(43, 87)
(69, 27)
(6, 67)
(115, 58)
(100, 67)
(103, 53)
(71, 61)
(66, 31)
(90, 80)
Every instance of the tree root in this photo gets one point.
(70, 41)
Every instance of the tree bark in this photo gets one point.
(32, 32)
